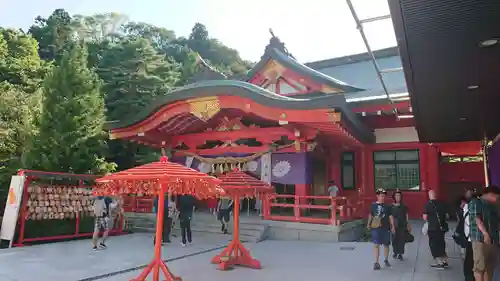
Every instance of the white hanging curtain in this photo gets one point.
(189, 161)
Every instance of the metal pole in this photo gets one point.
(485, 161)
(367, 45)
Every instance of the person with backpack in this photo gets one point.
(381, 224)
(436, 217)
(101, 220)
(483, 218)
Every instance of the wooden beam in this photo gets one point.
(194, 140)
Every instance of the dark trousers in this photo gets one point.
(399, 241)
(437, 244)
(468, 263)
(185, 224)
(167, 227)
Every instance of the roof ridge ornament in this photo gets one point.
(276, 43)
(205, 71)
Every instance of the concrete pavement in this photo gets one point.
(282, 260)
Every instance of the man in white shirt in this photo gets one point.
(468, 260)
(332, 188)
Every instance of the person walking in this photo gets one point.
(483, 218)
(224, 214)
(101, 221)
(186, 207)
(461, 237)
(166, 222)
(381, 223)
(436, 217)
(399, 212)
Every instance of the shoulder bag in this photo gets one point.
(444, 227)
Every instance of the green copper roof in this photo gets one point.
(276, 50)
(257, 94)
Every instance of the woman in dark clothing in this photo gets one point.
(400, 213)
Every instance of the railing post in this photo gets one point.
(265, 204)
(296, 209)
(333, 211)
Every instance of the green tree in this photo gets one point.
(20, 64)
(17, 112)
(21, 72)
(217, 54)
(71, 138)
(134, 74)
(54, 34)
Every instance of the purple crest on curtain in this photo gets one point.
(290, 168)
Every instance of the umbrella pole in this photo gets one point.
(236, 253)
(157, 264)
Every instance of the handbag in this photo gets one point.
(376, 222)
(409, 238)
(425, 228)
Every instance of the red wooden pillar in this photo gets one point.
(363, 173)
(432, 168)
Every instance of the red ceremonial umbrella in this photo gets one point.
(238, 184)
(157, 178)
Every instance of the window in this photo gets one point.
(348, 173)
(397, 169)
(461, 159)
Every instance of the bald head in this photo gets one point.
(432, 194)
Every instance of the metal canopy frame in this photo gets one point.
(380, 72)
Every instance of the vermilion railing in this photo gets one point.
(138, 204)
(339, 209)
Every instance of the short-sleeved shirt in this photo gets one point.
(155, 204)
(186, 205)
(399, 213)
(384, 212)
(225, 203)
(436, 211)
(487, 212)
(333, 190)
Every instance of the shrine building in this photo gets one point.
(299, 126)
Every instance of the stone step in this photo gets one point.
(251, 231)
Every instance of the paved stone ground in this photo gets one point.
(298, 261)
(75, 260)
(282, 260)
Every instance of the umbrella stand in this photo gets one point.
(236, 253)
(157, 264)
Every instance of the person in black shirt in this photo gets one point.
(381, 223)
(436, 216)
(400, 213)
(186, 207)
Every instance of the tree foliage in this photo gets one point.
(70, 137)
(67, 75)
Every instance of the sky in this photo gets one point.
(312, 30)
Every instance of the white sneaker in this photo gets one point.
(183, 245)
